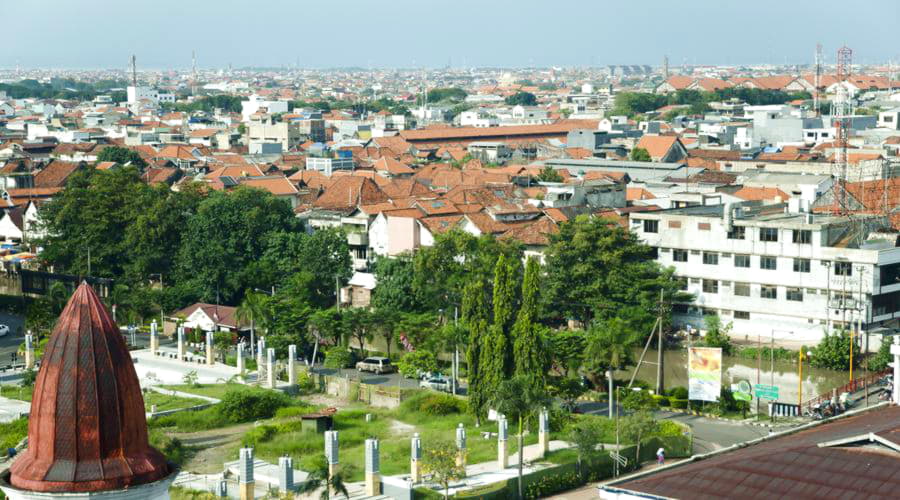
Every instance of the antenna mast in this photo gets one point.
(818, 79)
(665, 68)
(133, 71)
(193, 72)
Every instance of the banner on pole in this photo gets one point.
(704, 373)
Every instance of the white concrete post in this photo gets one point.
(895, 350)
(260, 360)
(502, 436)
(240, 358)
(180, 342)
(461, 446)
(373, 468)
(246, 483)
(285, 474)
(544, 431)
(209, 348)
(415, 454)
(154, 338)
(331, 451)
(292, 370)
(270, 367)
(29, 351)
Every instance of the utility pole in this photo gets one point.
(660, 383)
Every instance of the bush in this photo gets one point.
(338, 357)
(257, 435)
(833, 352)
(416, 362)
(678, 404)
(717, 335)
(661, 401)
(669, 428)
(881, 358)
(11, 433)
(172, 448)
(679, 392)
(245, 404)
(431, 403)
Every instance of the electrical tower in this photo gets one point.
(818, 79)
(840, 114)
(665, 68)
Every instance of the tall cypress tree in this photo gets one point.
(474, 317)
(529, 356)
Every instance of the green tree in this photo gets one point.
(395, 290)
(717, 335)
(529, 351)
(360, 324)
(610, 346)
(324, 255)
(328, 325)
(636, 427)
(549, 174)
(454, 94)
(122, 156)
(412, 364)
(640, 154)
(219, 256)
(519, 400)
(566, 351)
(833, 352)
(637, 400)
(320, 478)
(439, 461)
(586, 434)
(881, 358)
(475, 320)
(522, 98)
(496, 354)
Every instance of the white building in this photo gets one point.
(773, 272)
(255, 103)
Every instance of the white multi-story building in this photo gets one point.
(771, 271)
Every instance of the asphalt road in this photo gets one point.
(10, 342)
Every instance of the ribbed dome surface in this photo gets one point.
(87, 431)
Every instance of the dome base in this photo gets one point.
(157, 490)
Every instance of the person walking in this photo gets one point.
(660, 456)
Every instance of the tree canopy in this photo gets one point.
(522, 98)
(122, 156)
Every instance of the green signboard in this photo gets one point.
(766, 391)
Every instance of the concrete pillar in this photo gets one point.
(29, 351)
(209, 348)
(154, 338)
(415, 455)
(180, 343)
(285, 474)
(291, 368)
(502, 436)
(895, 350)
(461, 446)
(270, 367)
(246, 484)
(331, 451)
(544, 431)
(260, 360)
(240, 358)
(373, 468)
(222, 489)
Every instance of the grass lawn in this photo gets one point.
(17, 392)
(209, 390)
(166, 402)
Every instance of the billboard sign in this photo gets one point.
(704, 373)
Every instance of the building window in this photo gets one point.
(801, 265)
(795, 294)
(843, 269)
(651, 226)
(768, 234)
(710, 286)
(737, 233)
(742, 289)
(768, 292)
(766, 262)
(710, 258)
(741, 315)
(741, 260)
(679, 255)
(802, 236)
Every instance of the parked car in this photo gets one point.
(3, 330)
(437, 383)
(375, 365)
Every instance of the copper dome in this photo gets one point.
(87, 431)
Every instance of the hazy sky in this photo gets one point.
(403, 33)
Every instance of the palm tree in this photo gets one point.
(58, 295)
(253, 308)
(610, 346)
(520, 400)
(320, 478)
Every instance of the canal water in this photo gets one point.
(816, 381)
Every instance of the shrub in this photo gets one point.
(257, 435)
(881, 359)
(679, 404)
(669, 428)
(415, 362)
(661, 401)
(245, 404)
(172, 448)
(338, 357)
(11, 433)
(431, 403)
(679, 392)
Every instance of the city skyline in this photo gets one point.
(464, 33)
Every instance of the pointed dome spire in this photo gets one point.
(87, 430)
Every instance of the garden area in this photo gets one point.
(166, 402)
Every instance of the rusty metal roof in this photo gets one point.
(87, 431)
(792, 466)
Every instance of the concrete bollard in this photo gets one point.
(240, 358)
(331, 452)
(270, 367)
(222, 489)
(291, 368)
(260, 360)
(502, 436)
(154, 338)
(285, 474)
(180, 343)
(544, 431)
(373, 468)
(209, 348)
(29, 351)
(415, 455)
(246, 483)
(461, 446)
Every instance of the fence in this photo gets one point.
(852, 386)
(371, 394)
